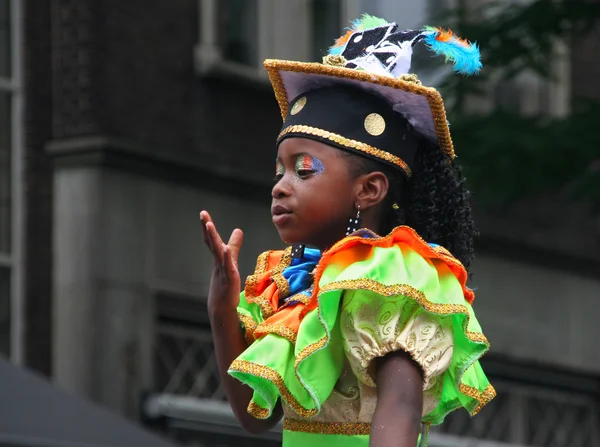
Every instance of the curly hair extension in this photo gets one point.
(435, 201)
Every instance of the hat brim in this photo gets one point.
(422, 106)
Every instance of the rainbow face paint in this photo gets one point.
(279, 169)
(307, 163)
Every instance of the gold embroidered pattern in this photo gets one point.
(279, 329)
(261, 267)
(336, 60)
(375, 240)
(266, 309)
(249, 327)
(327, 428)
(445, 309)
(410, 77)
(257, 411)
(409, 292)
(374, 124)
(246, 367)
(308, 351)
(352, 144)
(436, 103)
(483, 398)
(277, 275)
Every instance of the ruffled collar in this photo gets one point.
(300, 275)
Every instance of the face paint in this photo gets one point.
(279, 169)
(308, 163)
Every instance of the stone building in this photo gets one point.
(121, 120)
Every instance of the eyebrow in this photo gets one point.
(298, 154)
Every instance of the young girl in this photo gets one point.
(362, 331)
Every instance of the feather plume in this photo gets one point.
(463, 54)
(365, 22)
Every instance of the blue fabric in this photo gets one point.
(298, 274)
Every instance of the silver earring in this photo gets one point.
(353, 223)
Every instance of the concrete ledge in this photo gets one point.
(498, 238)
(205, 415)
(124, 155)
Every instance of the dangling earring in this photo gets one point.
(298, 251)
(353, 223)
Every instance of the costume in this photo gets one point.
(315, 322)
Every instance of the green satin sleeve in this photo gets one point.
(250, 317)
(416, 305)
(362, 298)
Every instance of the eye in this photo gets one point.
(304, 172)
(277, 178)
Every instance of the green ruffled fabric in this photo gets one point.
(305, 374)
(298, 439)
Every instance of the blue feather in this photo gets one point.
(336, 50)
(464, 55)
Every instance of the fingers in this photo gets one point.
(211, 237)
(235, 244)
(204, 217)
(228, 263)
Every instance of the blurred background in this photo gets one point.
(121, 120)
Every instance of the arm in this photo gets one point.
(228, 339)
(397, 417)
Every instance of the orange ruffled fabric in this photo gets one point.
(267, 285)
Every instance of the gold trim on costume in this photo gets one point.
(483, 398)
(247, 367)
(263, 302)
(249, 327)
(278, 329)
(277, 275)
(257, 411)
(267, 373)
(436, 103)
(261, 267)
(409, 292)
(327, 428)
(346, 142)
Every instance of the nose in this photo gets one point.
(281, 188)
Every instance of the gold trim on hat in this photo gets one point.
(346, 142)
(433, 97)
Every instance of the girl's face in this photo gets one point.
(314, 194)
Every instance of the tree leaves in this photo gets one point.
(507, 156)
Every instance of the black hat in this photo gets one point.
(362, 98)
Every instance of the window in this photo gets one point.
(184, 360)
(530, 416)
(237, 35)
(10, 104)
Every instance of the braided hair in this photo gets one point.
(434, 202)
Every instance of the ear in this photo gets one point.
(372, 189)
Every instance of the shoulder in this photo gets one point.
(400, 259)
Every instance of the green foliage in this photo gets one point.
(507, 156)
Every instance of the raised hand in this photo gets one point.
(225, 280)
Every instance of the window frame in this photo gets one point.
(295, 45)
(14, 259)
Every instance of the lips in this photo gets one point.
(281, 214)
(278, 210)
